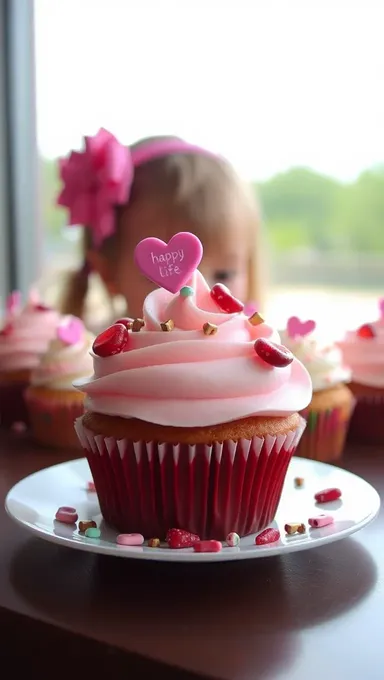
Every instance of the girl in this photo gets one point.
(158, 187)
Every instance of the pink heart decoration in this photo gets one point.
(381, 307)
(70, 331)
(297, 328)
(169, 265)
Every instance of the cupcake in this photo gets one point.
(192, 416)
(328, 415)
(53, 403)
(24, 338)
(363, 353)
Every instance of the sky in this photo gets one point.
(270, 84)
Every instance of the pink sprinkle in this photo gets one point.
(320, 521)
(130, 539)
(67, 515)
(91, 486)
(267, 536)
(207, 546)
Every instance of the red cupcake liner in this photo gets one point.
(366, 425)
(325, 434)
(12, 404)
(148, 487)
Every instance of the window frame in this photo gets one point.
(19, 209)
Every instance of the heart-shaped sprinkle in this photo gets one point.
(297, 328)
(225, 300)
(169, 265)
(70, 331)
(273, 354)
(366, 331)
(113, 340)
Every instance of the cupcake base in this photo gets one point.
(52, 414)
(367, 421)
(207, 488)
(12, 404)
(328, 416)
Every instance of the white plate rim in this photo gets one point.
(188, 555)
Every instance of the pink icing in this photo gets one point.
(26, 336)
(184, 378)
(365, 356)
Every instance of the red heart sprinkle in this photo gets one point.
(111, 341)
(366, 331)
(273, 354)
(267, 536)
(179, 538)
(225, 300)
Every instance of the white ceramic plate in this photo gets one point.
(34, 501)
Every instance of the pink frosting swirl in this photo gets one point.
(365, 355)
(26, 335)
(185, 378)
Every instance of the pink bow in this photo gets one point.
(95, 181)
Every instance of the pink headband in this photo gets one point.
(100, 177)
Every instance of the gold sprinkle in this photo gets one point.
(298, 482)
(167, 326)
(302, 529)
(256, 319)
(291, 529)
(154, 543)
(209, 328)
(137, 325)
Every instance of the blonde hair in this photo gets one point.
(205, 192)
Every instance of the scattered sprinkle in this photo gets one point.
(256, 319)
(327, 495)
(320, 521)
(66, 514)
(267, 536)
(112, 341)
(154, 542)
(93, 532)
(137, 325)
(167, 326)
(208, 546)
(186, 291)
(273, 354)
(209, 328)
(233, 539)
(91, 486)
(298, 482)
(130, 539)
(179, 538)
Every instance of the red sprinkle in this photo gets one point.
(273, 354)
(366, 331)
(225, 300)
(111, 341)
(267, 536)
(327, 495)
(179, 538)
(91, 486)
(208, 546)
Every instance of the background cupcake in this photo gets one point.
(187, 425)
(363, 352)
(24, 338)
(328, 415)
(53, 403)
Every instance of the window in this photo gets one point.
(290, 92)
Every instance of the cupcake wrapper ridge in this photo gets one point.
(210, 490)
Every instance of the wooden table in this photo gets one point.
(310, 615)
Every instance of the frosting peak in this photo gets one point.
(363, 353)
(187, 378)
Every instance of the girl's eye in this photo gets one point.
(222, 275)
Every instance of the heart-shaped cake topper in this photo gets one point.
(381, 307)
(297, 328)
(169, 265)
(70, 330)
